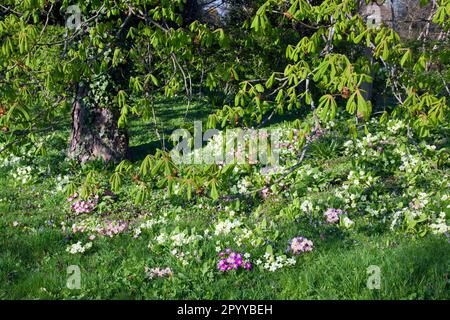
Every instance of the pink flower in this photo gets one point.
(300, 244)
(332, 215)
(265, 193)
(157, 272)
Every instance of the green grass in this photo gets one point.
(33, 257)
(170, 114)
(34, 261)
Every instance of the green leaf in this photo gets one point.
(360, 37)
(270, 81)
(351, 105)
(213, 189)
(255, 23)
(154, 80)
(259, 87)
(406, 58)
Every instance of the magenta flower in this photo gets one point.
(232, 261)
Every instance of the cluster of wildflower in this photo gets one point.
(243, 185)
(81, 206)
(148, 225)
(244, 235)
(395, 125)
(221, 149)
(177, 239)
(87, 224)
(316, 134)
(93, 225)
(78, 228)
(61, 181)
(420, 201)
(332, 215)
(158, 273)
(112, 228)
(231, 260)
(225, 227)
(310, 171)
(371, 146)
(306, 206)
(161, 238)
(22, 174)
(182, 239)
(416, 208)
(409, 162)
(268, 171)
(361, 177)
(79, 248)
(350, 197)
(347, 222)
(273, 263)
(300, 244)
(182, 257)
(9, 161)
(440, 227)
(288, 144)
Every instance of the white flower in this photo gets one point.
(78, 247)
(273, 268)
(225, 227)
(306, 206)
(178, 239)
(348, 223)
(162, 238)
(291, 261)
(440, 226)
(137, 232)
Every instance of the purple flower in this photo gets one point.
(332, 215)
(300, 244)
(232, 261)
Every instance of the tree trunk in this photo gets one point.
(95, 133)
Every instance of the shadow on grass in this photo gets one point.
(139, 152)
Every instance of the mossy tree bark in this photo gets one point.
(95, 133)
